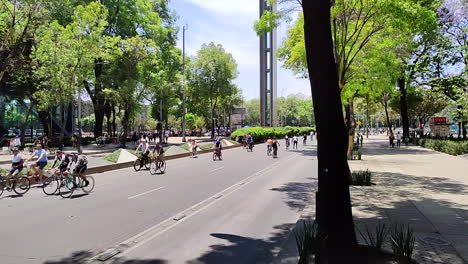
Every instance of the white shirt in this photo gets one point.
(295, 138)
(167, 133)
(398, 136)
(16, 158)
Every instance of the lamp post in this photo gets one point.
(184, 110)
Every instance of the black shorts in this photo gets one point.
(16, 169)
(41, 164)
(80, 168)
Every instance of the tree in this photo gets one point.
(252, 118)
(210, 76)
(334, 214)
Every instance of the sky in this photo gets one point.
(230, 23)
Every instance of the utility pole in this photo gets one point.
(80, 149)
(184, 110)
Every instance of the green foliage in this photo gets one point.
(261, 134)
(113, 157)
(402, 242)
(451, 147)
(360, 178)
(308, 240)
(376, 237)
(190, 121)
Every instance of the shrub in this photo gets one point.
(307, 240)
(452, 147)
(261, 134)
(360, 178)
(376, 237)
(402, 242)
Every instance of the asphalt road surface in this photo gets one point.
(238, 210)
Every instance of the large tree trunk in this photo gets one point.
(114, 125)
(350, 125)
(44, 117)
(404, 106)
(334, 213)
(463, 124)
(389, 124)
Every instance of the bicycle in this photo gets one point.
(51, 184)
(193, 152)
(268, 150)
(217, 154)
(250, 147)
(140, 162)
(20, 186)
(68, 185)
(157, 165)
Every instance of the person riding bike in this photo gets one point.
(250, 141)
(81, 164)
(16, 166)
(62, 161)
(41, 161)
(193, 147)
(269, 145)
(158, 152)
(275, 145)
(144, 147)
(218, 147)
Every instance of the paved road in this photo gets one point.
(233, 211)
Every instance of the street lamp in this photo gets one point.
(184, 110)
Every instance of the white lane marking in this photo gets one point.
(141, 194)
(215, 170)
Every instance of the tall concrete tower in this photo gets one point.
(268, 71)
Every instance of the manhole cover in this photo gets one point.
(435, 241)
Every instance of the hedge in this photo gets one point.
(263, 133)
(448, 146)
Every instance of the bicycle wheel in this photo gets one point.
(66, 188)
(162, 167)
(147, 164)
(214, 156)
(2, 186)
(90, 187)
(50, 186)
(154, 167)
(22, 185)
(137, 165)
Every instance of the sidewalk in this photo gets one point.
(420, 187)
(415, 186)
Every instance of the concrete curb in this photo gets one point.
(107, 168)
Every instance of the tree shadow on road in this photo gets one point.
(84, 257)
(245, 250)
(299, 194)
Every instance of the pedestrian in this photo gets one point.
(392, 138)
(357, 139)
(295, 140)
(166, 136)
(275, 144)
(362, 139)
(304, 141)
(398, 139)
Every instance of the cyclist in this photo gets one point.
(286, 139)
(218, 147)
(193, 147)
(144, 147)
(158, 152)
(81, 164)
(304, 141)
(275, 145)
(62, 161)
(250, 141)
(16, 166)
(269, 145)
(41, 161)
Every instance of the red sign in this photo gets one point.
(439, 120)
